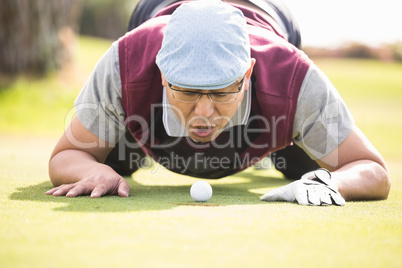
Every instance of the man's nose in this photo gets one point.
(204, 107)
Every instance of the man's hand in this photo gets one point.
(96, 187)
(314, 188)
(77, 169)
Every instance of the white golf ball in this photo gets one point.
(201, 191)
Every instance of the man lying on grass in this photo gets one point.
(207, 89)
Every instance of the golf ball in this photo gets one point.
(201, 191)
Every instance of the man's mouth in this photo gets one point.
(202, 131)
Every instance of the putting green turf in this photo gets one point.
(159, 224)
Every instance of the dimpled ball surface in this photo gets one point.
(201, 191)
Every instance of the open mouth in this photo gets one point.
(202, 131)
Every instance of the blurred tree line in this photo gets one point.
(106, 18)
(37, 36)
(385, 52)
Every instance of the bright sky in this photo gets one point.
(332, 22)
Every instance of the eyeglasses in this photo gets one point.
(215, 97)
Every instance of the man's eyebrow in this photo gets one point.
(176, 88)
(183, 89)
(238, 81)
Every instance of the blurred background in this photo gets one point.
(49, 48)
(47, 51)
(40, 36)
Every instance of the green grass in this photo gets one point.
(159, 225)
(39, 106)
(373, 92)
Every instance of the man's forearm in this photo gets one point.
(362, 180)
(70, 166)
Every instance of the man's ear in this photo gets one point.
(248, 74)
(164, 82)
(250, 70)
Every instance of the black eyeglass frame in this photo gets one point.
(208, 94)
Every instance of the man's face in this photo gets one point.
(204, 120)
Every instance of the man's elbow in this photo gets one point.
(387, 186)
(384, 185)
(54, 175)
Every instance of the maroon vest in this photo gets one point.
(277, 77)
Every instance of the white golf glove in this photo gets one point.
(314, 188)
